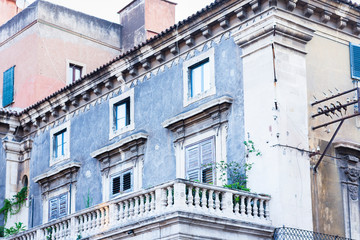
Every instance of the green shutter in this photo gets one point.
(8, 86)
(355, 61)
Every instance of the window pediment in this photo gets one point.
(132, 147)
(58, 177)
(207, 115)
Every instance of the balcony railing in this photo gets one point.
(286, 233)
(177, 195)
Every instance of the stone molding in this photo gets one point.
(132, 147)
(211, 114)
(59, 177)
(17, 151)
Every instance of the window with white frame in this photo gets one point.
(121, 183)
(199, 77)
(75, 71)
(58, 206)
(200, 158)
(121, 113)
(59, 144)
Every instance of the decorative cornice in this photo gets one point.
(219, 104)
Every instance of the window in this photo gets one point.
(58, 207)
(199, 77)
(59, 145)
(8, 87)
(121, 113)
(74, 72)
(121, 183)
(199, 159)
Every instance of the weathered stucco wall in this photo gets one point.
(42, 50)
(328, 68)
(156, 99)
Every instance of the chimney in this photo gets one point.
(143, 19)
(8, 9)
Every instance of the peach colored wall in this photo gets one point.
(41, 59)
(154, 9)
(8, 9)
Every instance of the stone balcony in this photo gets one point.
(174, 210)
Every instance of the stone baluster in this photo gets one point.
(267, 210)
(121, 211)
(53, 230)
(136, 206)
(147, 203)
(197, 197)
(153, 201)
(236, 204)
(190, 196)
(248, 207)
(107, 215)
(242, 205)
(142, 205)
(217, 201)
(132, 208)
(211, 200)
(90, 225)
(169, 196)
(102, 219)
(255, 208)
(95, 219)
(112, 213)
(203, 198)
(261, 208)
(126, 210)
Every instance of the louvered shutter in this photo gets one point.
(127, 183)
(63, 203)
(193, 162)
(355, 61)
(116, 185)
(207, 158)
(8, 87)
(53, 208)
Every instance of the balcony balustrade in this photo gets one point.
(178, 195)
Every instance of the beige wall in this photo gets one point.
(328, 67)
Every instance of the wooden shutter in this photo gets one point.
(53, 208)
(207, 158)
(63, 203)
(355, 61)
(193, 162)
(116, 185)
(8, 86)
(127, 182)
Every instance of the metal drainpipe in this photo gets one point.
(70, 198)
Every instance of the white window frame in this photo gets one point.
(201, 167)
(121, 174)
(68, 76)
(113, 102)
(219, 139)
(190, 64)
(53, 132)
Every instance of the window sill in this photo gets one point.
(123, 130)
(55, 161)
(208, 93)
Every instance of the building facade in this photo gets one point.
(130, 151)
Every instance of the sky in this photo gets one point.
(107, 9)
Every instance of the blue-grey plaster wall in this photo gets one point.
(2, 179)
(155, 100)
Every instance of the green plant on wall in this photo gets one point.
(19, 227)
(88, 200)
(235, 173)
(13, 206)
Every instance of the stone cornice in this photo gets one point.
(122, 145)
(127, 70)
(59, 177)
